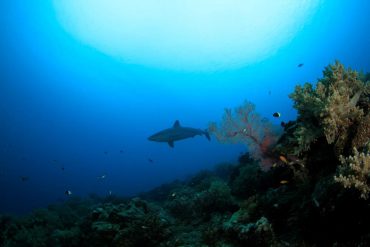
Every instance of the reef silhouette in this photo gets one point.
(314, 191)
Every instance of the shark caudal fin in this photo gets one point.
(206, 133)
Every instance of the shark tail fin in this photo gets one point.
(206, 133)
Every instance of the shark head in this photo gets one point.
(158, 137)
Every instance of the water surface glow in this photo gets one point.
(189, 35)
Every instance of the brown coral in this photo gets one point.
(362, 136)
(331, 109)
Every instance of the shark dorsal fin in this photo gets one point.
(176, 124)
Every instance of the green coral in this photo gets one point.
(210, 195)
(259, 233)
(66, 237)
(217, 198)
(136, 223)
(181, 203)
(354, 172)
(246, 180)
(332, 109)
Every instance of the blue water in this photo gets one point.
(69, 113)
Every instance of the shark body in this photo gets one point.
(176, 133)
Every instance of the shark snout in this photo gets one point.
(151, 138)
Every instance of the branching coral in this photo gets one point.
(246, 126)
(362, 136)
(217, 198)
(354, 172)
(331, 109)
(259, 233)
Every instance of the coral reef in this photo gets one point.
(355, 172)
(246, 179)
(336, 108)
(54, 226)
(136, 223)
(259, 233)
(316, 193)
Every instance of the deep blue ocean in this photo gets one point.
(74, 118)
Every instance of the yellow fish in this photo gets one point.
(284, 181)
(283, 159)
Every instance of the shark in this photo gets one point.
(177, 133)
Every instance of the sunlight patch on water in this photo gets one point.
(191, 35)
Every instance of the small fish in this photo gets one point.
(68, 192)
(232, 134)
(276, 114)
(121, 151)
(101, 177)
(283, 124)
(283, 159)
(269, 92)
(24, 178)
(110, 193)
(173, 194)
(150, 160)
(105, 152)
(284, 181)
(300, 65)
(316, 202)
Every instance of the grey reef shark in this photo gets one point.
(177, 133)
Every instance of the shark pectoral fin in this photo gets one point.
(171, 144)
(206, 133)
